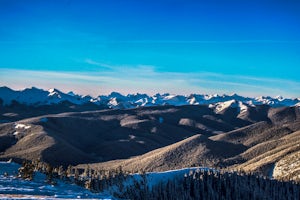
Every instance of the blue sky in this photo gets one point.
(94, 47)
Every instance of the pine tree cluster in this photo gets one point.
(198, 184)
(27, 169)
(211, 184)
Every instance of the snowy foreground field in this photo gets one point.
(12, 187)
(15, 188)
(187, 183)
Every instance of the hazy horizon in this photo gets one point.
(95, 95)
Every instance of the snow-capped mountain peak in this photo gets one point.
(34, 96)
(221, 106)
(54, 92)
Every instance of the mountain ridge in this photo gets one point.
(38, 97)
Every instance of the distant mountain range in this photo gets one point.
(38, 97)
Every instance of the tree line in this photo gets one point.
(197, 184)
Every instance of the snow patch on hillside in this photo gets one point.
(16, 133)
(22, 126)
(219, 107)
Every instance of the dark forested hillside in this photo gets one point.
(188, 183)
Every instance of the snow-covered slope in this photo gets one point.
(36, 97)
(12, 187)
(223, 106)
(155, 178)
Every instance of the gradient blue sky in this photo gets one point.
(179, 46)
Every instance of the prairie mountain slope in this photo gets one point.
(278, 157)
(96, 136)
(196, 150)
(159, 138)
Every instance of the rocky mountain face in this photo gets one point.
(32, 102)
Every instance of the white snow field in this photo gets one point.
(12, 187)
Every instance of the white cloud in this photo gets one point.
(92, 62)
